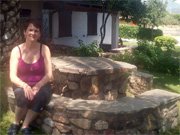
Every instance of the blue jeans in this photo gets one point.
(40, 100)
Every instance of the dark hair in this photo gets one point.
(35, 22)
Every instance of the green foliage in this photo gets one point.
(127, 57)
(127, 31)
(153, 58)
(171, 19)
(155, 11)
(5, 121)
(177, 16)
(166, 82)
(131, 10)
(148, 34)
(89, 50)
(148, 56)
(166, 41)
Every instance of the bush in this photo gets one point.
(89, 50)
(165, 41)
(148, 34)
(148, 56)
(167, 64)
(127, 57)
(177, 16)
(127, 31)
(170, 19)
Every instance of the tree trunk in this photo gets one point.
(10, 30)
(103, 27)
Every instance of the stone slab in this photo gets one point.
(90, 65)
(147, 100)
(159, 96)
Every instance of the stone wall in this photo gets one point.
(85, 78)
(91, 78)
(139, 82)
(148, 113)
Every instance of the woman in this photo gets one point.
(31, 74)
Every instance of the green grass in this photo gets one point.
(166, 82)
(6, 117)
(177, 51)
(130, 43)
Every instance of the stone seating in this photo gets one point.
(94, 96)
(148, 113)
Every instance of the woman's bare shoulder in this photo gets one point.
(15, 50)
(45, 47)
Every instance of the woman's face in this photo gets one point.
(32, 33)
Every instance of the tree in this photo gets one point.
(130, 10)
(155, 11)
(9, 20)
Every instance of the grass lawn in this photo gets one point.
(130, 43)
(6, 116)
(166, 82)
(177, 51)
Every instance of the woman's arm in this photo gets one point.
(13, 73)
(13, 68)
(48, 68)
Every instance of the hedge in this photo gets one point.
(136, 32)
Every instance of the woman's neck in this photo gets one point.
(30, 45)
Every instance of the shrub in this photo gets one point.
(126, 31)
(153, 58)
(167, 64)
(127, 57)
(91, 50)
(148, 56)
(177, 16)
(170, 19)
(148, 34)
(165, 41)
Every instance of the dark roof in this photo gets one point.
(74, 5)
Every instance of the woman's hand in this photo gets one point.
(35, 89)
(28, 92)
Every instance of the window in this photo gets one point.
(65, 27)
(25, 13)
(92, 23)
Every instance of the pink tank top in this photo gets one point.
(31, 73)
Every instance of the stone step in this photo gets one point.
(149, 112)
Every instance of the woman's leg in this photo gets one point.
(30, 116)
(20, 114)
(22, 105)
(20, 111)
(40, 100)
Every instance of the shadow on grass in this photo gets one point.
(167, 82)
(3, 96)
